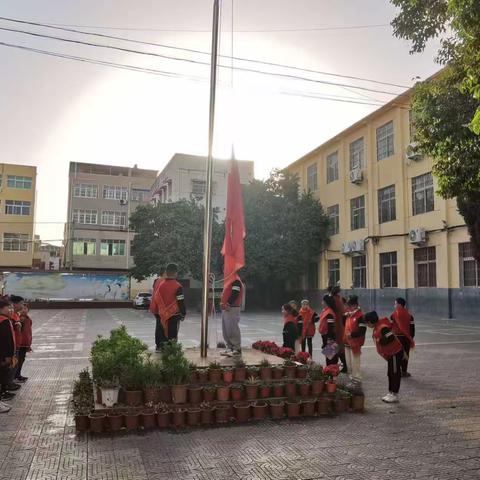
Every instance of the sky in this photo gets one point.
(57, 110)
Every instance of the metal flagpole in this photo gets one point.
(207, 228)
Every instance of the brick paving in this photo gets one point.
(434, 433)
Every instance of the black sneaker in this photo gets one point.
(21, 379)
(7, 396)
(406, 374)
(13, 386)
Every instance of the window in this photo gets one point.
(17, 207)
(388, 270)
(312, 276)
(140, 195)
(385, 143)
(356, 154)
(312, 177)
(422, 194)
(198, 187)
(112, 248)
(386, 204)
(110, 217)
(13, 181)
(83, 246)
(15, 242)
(115, 193)
(333, 272)
(425, 267)
(357, 213)
(359, 271)
(86, 217)
(332, 167)
(85, 190)
(469, 267)
(334, 213)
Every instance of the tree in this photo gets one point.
(446, 109)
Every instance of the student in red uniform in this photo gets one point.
(308, 317)
(290, 326)
(403, 327)
(171, 304)
(326, 327)
(230, 303)
(160, 337)
(298, 341)
(7, 353)
(26, 343)
(16, 305)
(340, 310)
(354, 338)
(390, 348)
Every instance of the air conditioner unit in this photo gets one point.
(412, 153)
(123, 202)
(358, 247)
(417, 236)
(356, 176)
(346, 248)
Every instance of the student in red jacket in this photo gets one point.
(403, 327)
(7, 353)
(354, 338)
(308, 318)
(390, 348)
(26, 342)
(326, 326)
(290, 326)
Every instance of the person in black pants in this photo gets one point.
(403, 326)
(290, 332)
(327, 326)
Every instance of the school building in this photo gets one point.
(391, 235)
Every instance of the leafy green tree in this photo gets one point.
(446, 109)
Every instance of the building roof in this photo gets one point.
(112, 170)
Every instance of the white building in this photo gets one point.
(184, 178)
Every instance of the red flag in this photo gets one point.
(233, 248)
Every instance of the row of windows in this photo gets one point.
(110, 192)
(15, 181)
(422, 202)
(108, 217)
(425, 267)
(108, 248)
(385, 149)
(17, 207)
(15, 242)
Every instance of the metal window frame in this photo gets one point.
(333, 168)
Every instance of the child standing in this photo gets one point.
(403, 327)
(354, 338)
(326, 327)
(308, 318)
(290, 332)
(390, 348)
(7, 353)
(26, 343)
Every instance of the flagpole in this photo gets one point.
(207, 228)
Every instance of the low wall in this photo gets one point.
(70, 305)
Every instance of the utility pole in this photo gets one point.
(207, 227)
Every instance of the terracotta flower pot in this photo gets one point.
(222, 413)
(149, 419)
(338, 406)
(209, 394)
(207, 415)
(223, 393)
(163, 419)
(195, 394)
(324, 406)
(358, 403)
(290, 389)
(317, 387)
(331, 386)
(165, 394)
(265, 391)
(260, 409)
(308, 408)
(151, 395)
(251, 392)
(277, 373)
(81, 423)
(132, 420)
(237, 394)
(302, 372)
(215, 375)
(266, 373)
(133, 398)
(278, 390)
(290, 371)
(97, 422)
(202, 375)
(242, 411)
(277, 409)
(240, 374)
(179, 394)
(227, 376)
(304, 389)
(115, 421)
(192, 377)
(178, 417)
(193, 417)
(293, 409)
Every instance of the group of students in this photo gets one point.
(15, 343)
(342, 326)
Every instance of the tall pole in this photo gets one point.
(207, 227)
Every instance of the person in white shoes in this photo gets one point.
(390, 348)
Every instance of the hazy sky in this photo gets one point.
(55, 110)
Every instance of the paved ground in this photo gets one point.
(434, 433)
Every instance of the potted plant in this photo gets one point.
(152, 381)
(290, 368)
(195, 393)
(265, 370)
(132, 419)
(303, 358)
(207, 413)
(237, 392)
(149, 417)
(240, 371)
(317, 378)
(176, 370)
(163, 415)
(253, 372)
(278, 389)
(251, 388)
(115, 420)
(193, 416)
(227, 374)
(302, 371)
(223, 393)
(277, 408)
(82, 400)
(260, 409)
(222, 413)
(293, 407)
(331, 371)
(132, 382)
(97, 422)
(277, 372)
(165, 393)
(209, 393)
(202, 375)
(178, 417)
(308, 407)
(192, 377)
(324, 405)
(214, 372)
(358, 402)
(304, 388)
(242, 411)
(265, 390)
(290, 388)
